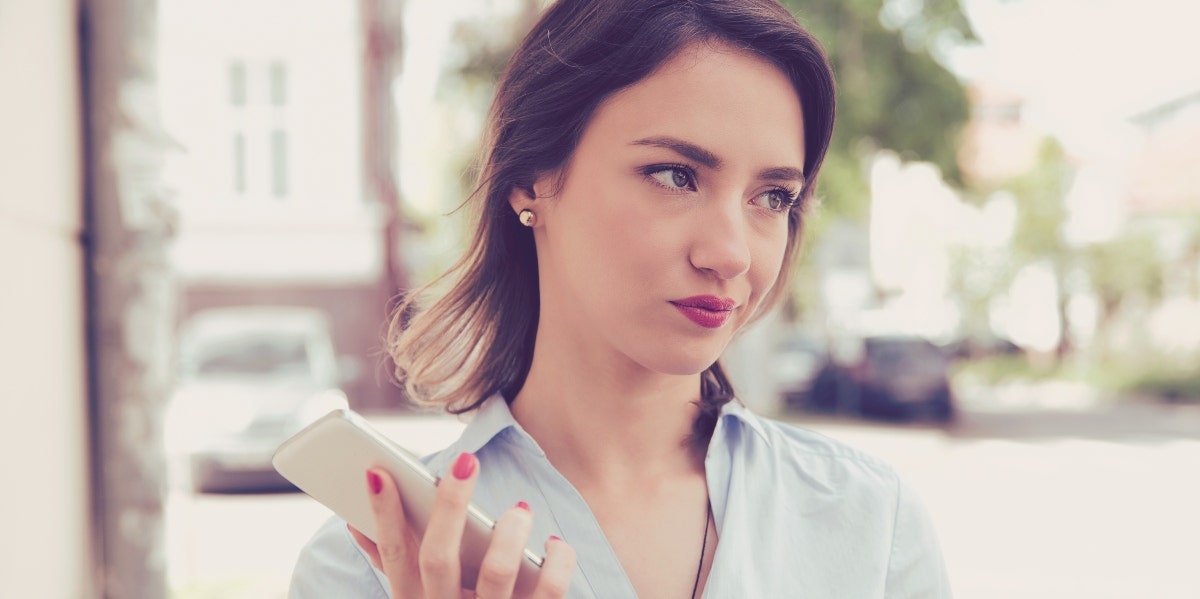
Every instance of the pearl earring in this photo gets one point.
(528, 218)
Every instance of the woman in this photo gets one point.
(642, 197)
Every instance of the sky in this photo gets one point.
(1085, 60)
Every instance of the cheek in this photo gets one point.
(612, 238)
(633, 245)
(766, 264)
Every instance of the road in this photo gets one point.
(1030, 501)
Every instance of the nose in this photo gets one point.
(721, 243)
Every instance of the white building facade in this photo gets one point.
(264, 101)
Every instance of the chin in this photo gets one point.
(680, 362)
(670, 353)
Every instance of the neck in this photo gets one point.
(605, 419)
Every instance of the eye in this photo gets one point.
(677, 178)
(777, 199)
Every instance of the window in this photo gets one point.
(279, 173)
(259, 128)
(278, 84)
(237, 83)
(237, 99)
(239, 163)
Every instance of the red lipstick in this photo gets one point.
(708, 311)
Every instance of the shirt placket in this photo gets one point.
(598, 564)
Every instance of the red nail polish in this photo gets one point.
(374, 482)
(523, 505)
(555, 538)
(464, 466)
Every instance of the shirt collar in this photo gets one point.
(734, 410)
(494, 418)
(491, 420)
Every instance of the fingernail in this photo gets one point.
(555, 538)
(523, 505)
(374, 482)
(464, 466)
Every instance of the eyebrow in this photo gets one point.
(707, 159)
(783, 173)
(688, 150)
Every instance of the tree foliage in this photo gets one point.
(892, 91)
(1127, 265)
(1041, 207)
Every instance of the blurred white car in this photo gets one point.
(250, 377)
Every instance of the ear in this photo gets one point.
(521, 197)
(524, 196)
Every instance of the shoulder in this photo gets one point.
(821, 460)
(788, 483)
(845, 484)
(332, 565)
(808, 444)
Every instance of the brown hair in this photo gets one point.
(478, 338)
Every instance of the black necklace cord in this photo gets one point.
(703, 548)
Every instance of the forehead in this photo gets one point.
(736, 104)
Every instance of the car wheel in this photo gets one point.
(825, 391)
(881, 404)
(942, 406)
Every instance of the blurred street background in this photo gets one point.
(1028, 503)
(208, 208)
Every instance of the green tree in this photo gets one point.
(1041, 211)
(1041, 214)
(1126, 266)
(487, 42)
(892, 91)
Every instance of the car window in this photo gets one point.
(904, 353)
(261, 356)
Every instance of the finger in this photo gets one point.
(367, 545)
(394, 543)
(498, 572)
(439, 561)
(559, 565)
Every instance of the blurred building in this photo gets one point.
(1133, 176)
(1164, 198)
(1165, 175)
(998, 142)
(269, 173)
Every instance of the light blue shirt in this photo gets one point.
(797, 515)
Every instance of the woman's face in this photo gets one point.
(671, 222)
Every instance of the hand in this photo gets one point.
(429, 568)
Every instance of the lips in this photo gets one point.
(708, 311)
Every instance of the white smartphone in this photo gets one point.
(328, 460)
